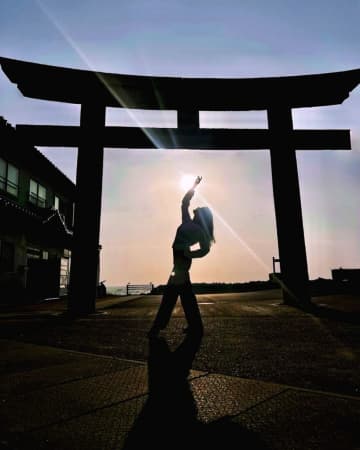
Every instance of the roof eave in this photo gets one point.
(153, 92)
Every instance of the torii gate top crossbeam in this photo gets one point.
(150, 92)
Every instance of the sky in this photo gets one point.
(198, 38)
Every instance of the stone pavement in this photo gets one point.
(60, 399)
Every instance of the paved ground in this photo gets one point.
(265, 376)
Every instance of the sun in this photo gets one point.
(187, 181)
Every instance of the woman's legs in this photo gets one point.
(179, 283)
(191, 309)
(167, 305)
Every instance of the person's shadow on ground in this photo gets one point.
(169, 417)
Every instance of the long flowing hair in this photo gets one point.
(204, 218)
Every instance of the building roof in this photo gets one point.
(7, 205)
(45, 225)
(153, 92)
(20, 151)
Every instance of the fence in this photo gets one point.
(132, 289)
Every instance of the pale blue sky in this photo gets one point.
(212, 39)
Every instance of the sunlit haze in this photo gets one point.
(187, 181)
(142, 189)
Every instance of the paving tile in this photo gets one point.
(219, 395)
(81, 417)
(20, 383)
(18, 356)
(53, 404)
(60, 400)
(103, 429)
(301, 420)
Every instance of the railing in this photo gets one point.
(132, 289)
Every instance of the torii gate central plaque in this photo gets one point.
(95, 91)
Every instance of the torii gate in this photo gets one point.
(96, 90)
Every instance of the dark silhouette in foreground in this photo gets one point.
(169, 417)
(199, 230)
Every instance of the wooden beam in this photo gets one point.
(188, 119)
(175, 138)
(152, 92)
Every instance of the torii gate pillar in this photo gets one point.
(85, 257)
(290, 231)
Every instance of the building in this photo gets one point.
(36, 220)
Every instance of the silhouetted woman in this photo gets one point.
(199, 230)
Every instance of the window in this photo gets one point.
(37, 194)
(56, 203)
(64, 273)
(9, 178)
(73, 215)
(33, 253)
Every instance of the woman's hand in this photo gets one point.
(190, 193)
(197, 181)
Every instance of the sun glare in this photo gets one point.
(187, 181)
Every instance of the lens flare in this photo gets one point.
(187, 181)
(122, 103)
(237, 236)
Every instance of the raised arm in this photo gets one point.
(185, 206)
(186, 201)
